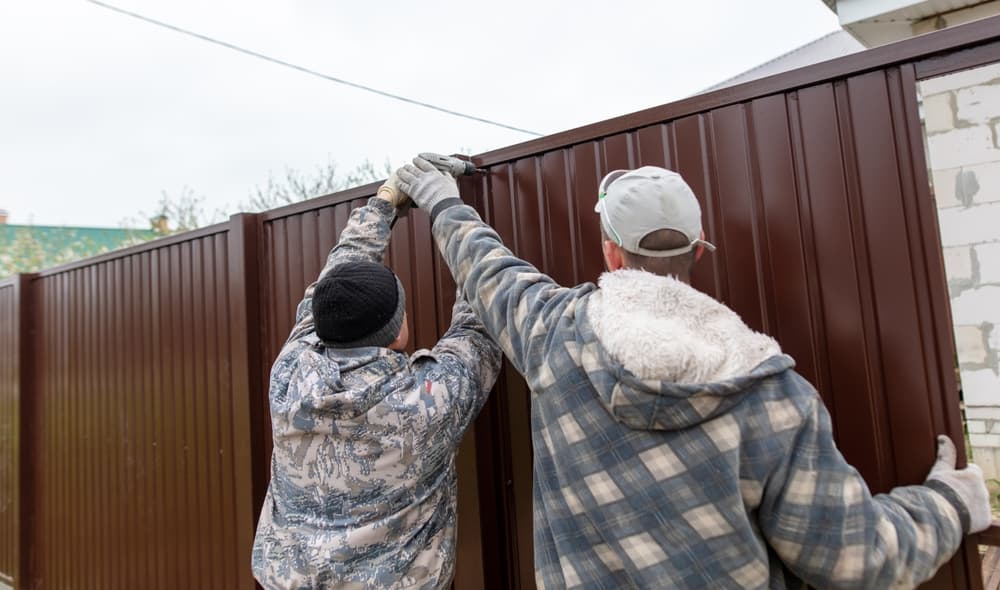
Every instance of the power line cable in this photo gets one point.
(308, 71)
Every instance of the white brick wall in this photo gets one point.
(938, 113)
(981, 387)
(958, 263)
(970, 344)
(985, 440)
(963, 147)
(962, 120)
(973, 77)
(984, 413)
(977, 305)
(979, 104)
(988, 257)
(969, 225)
(944, 187)
(988, 458)
(987, 177)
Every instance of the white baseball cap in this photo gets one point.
(635, 203)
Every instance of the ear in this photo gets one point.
(613, 258)
(402, 339)
(700, 250)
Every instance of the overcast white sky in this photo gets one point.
(100, 113)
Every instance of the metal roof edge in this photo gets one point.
(74, 227)
(136, 249)
(785, 55)
(921, 47)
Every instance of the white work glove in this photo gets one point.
(425, 184)
(968, 484)
(390, 192)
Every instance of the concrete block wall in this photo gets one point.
(962, 125)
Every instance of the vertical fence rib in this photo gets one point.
(245, 346)
(24, 305)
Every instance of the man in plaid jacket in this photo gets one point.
(674, 446)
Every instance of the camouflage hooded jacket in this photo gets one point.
(363, 482)
(676, 448)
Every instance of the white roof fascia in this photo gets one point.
(852, 11)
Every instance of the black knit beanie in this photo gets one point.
(358, 304)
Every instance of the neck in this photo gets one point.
(682, 277)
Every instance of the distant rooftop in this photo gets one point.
(831, 46)
(86, 241)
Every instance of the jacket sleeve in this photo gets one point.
(819, 516)
(459, 371)
(519, 305)
(363, 239)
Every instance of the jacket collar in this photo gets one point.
(660, 328)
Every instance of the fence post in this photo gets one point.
(244, 334)
(24, 303)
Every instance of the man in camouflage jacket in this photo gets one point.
(363, 482)
(674, 447)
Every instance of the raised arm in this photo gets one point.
(460, 370)
(364, 239)
(518, 304)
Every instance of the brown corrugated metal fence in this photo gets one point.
(138, 437)
(9, 436)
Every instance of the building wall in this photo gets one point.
(962, 122)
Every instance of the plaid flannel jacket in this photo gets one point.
(649, 484)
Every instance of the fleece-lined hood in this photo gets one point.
(677, 357)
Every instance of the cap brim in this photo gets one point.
(708, 245)
(605, 183)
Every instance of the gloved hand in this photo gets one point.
(390, 192)
(968, 484)
(425, 184)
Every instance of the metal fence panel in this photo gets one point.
(9, 435)
(136, 474)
